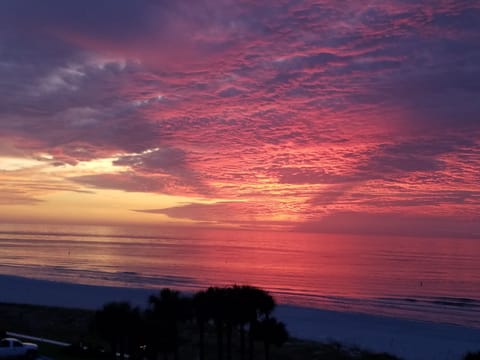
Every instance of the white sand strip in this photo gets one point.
(410, 340)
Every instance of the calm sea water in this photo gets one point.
(417, 278)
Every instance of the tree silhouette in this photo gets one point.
(472, 356)
(221, 305)
(260, 305)
(165, 313)
(244, 307)
(244, 310)
(232, 306)
(216, 297)
(202, 313)
(239, 306)
(119, 324)
(270, 331)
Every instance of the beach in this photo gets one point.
(408, 339)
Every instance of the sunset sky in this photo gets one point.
(322, 116)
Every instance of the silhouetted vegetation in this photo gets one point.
(472, 356)
(163, 318)
(270, 331)
(228, 311)
(120, 325)
(201, 313)
(224, 323)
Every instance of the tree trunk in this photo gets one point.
(175, 342)
(229, 341)
(113, 349)
(219, 326)
(251, 345)
(242, 341)
(267, 350)
(201, 329)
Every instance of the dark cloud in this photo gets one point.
(160, 160)
(217, 212)
(417, 155)
(136, 182)
(314, 176)
(127, 181)
(229, 92)
(253, 214)
(166, 161)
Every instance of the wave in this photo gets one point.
(451, 310)
(448, 301)
(440, 309)
(96, 277)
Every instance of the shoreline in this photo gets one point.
(408, 339)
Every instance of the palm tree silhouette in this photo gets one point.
(202, 313)
(234, 316)
(239, 306)
(261, 305)
(220, 305)
(244, 311)
(165, 313)
(216, 297)
(270, 331)
(119, 324)
(246, 307)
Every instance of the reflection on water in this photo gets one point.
(429, 279)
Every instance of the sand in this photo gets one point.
(410, 340)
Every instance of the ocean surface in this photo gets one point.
(427, 279)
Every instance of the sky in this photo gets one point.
(320, 116)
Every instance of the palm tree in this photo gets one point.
(202, 312)
(232, 314)
(472, 356)
(119, 324)
(270, 331)
(265, 303)
(261, 305)
(166, 311)
(216, 297)
(244, 311)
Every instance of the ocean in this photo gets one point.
(426, 279)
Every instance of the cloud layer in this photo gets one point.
(280, 112)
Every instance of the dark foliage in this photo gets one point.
(472, 356)
(270, 331)
(240, 315)
(163, 317)
(120, 325)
